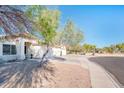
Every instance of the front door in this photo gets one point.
(25, 47)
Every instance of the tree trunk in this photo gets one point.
(44, 56)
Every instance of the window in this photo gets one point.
(6, 49)
(9, 49)
(13, 49)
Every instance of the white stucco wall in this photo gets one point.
(37, 51)
(1, 50)
(19, 42)
(59, 51)
(56, 51)
(20, 48)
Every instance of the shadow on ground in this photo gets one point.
(26, 74)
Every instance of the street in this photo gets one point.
(114, 65)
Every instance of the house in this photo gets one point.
(22, 47)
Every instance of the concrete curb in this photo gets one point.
(100, 78)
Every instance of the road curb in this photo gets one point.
(108, 74)
(100, 78)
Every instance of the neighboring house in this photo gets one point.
(21, 47)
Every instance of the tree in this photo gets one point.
(114, 48)
(99, 50)
(108, 50)
(75, 49)
(93, 49)
(47, 23)
(70, 36)
(120, 47)
(34, 11)
(88, 48)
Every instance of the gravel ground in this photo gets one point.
(72, 76)
(27, 74)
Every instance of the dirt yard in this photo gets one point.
(71, 75)
(55, 75)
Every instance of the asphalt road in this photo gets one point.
(114, 65)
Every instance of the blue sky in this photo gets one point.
(101, 25)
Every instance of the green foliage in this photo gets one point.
(75, 49)
(71, 36)
(57, 39)
(88, 48)
(46, 21)
(108, 50)
(118, 48)
(34, 11)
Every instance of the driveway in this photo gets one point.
(114, 65)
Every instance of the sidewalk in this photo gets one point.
(99, 77)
